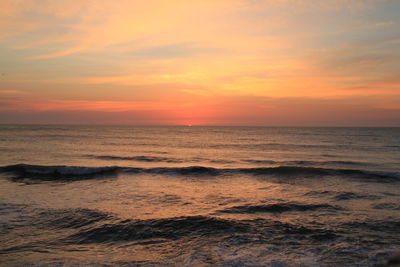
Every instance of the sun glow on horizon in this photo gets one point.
(229, 62)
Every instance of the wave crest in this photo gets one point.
(23, 171)
(166, 229)
(279, 208)
(66, 173)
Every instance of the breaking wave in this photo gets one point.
(39, 172)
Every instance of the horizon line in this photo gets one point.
(199, 125)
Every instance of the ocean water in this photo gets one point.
(198, 196)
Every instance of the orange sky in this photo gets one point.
(228, 62)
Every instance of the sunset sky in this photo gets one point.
(205, 62)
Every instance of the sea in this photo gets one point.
(198, 196)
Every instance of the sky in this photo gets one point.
(200, 62)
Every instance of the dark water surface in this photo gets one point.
(198, 196)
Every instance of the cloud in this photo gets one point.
(205, 110)
(194, 57)
(82, 105)
(12, 92)
(92, 26)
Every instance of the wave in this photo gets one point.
(279, 208)
(39, 172)
(390, 227)
(274, 146)
(192, 170)
(92, 226)
(339, 196)
(86, 226)
(60, 229)
(139, 158)
(386, 206)
(314, 171)
(157, 229)
(192, 227)
(307, 162)
(161, 159)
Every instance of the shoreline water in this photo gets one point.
(199, 196)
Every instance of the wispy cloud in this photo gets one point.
(65, 105)
(182, 55)
(13, 92)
